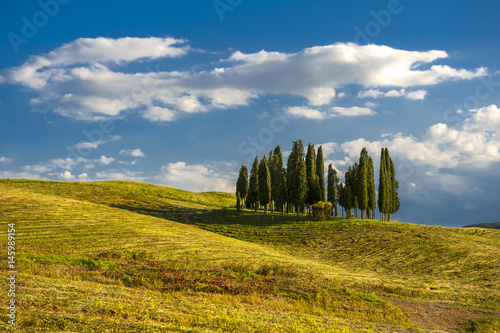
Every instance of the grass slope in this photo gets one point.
(112, 256)
(91, 267)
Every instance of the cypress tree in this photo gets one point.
(242, 184)
(333, 188)
(238, 203)
(253, 187)
(296, 180)
(264, 180)
(271, 167)
(313, 192)
(394, 185)
(372, 201)
(353, 188)
(384, 195)
(362, 182)
(278, 190)
(348, 201)
(350, 197)
(320, 172)
(388, 185)
(342, 197)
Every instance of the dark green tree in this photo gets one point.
(351, 184)
(342, 197)
(264, 184)
(313, 191)
(253, 187)
(270, 166)
(384, 195)
(362, 182)
(394, 185)
(333, 188)
(372, 200)
(381, 201)
(296, 180)
(278, 190)
(320, 172)
(238, 203)
(242, 184)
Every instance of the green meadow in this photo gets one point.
(131, 257)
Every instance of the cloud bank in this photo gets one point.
(90, 78)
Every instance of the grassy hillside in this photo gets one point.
(125, 256)
(492, 225)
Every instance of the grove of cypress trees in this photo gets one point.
(253, 187)
(242, 185)
(296, 180)
(264, 180)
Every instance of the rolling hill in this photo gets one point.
(133, 257)
(492, 225)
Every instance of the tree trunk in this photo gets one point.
(265, 209)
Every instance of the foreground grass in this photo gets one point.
(86, 266)
(110, 256)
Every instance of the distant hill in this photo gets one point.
(492, 225)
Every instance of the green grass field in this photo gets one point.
(132, 257)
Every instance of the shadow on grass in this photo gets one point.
(167, 212)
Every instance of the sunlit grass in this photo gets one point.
(111, 256)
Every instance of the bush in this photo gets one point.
(321, 209)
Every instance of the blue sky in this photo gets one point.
(182, 93)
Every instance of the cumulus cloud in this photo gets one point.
(86, 79)
(66, 164)
(305, 112)
(412, 95)
(442, 158)
(95, 144)
(132, 152)
(4, 159)
(198, 177)
(336, 111)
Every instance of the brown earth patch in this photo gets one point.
(440, 317)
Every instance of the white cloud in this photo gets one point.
(84, 79)
(352, 111)
(198, 177)
(442, 158)
(67, 164)
(159, 114)
(95, 144)
(120, 175)
(412, 95)
(305, 112)
(66, 175)
(132, 152)
(4, 159)
(106, 160)
(336, 111)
